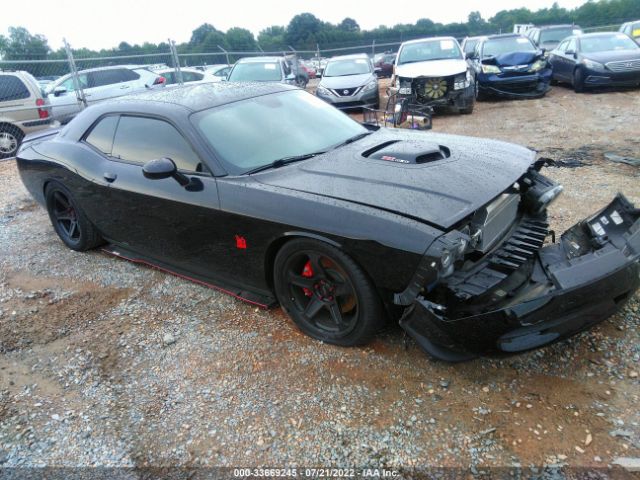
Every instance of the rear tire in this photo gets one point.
(10, 140)
(326, 293)
(68, 220)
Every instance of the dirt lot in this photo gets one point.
(104, 362)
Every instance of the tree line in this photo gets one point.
(307, 32)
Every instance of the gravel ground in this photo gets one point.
(108, 363)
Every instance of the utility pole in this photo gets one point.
(74, 72)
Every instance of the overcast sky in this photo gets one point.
(104, 24)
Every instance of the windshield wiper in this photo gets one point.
(281, 162)
(355, 138)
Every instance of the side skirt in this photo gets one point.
(262, 301)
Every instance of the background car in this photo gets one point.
(597, 59)
(383, 63)
(510, 66)
(632, 29)
(23, 110)
(349, 81)
(99, 84)
(548, 37)
(433, 72)
(262, 69)
(220, 71)
(189, 75)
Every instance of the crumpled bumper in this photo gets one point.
(523, 86)
(574, 285)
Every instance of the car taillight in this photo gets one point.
(160, 81)
(42, 112)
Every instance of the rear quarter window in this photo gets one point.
(102, 133)
(12, 88)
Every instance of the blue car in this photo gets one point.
(510, 66)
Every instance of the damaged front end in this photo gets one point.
(493, 285)
(514, 75)
(454, 91)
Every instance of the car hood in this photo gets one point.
(346, 81)
(440, 192)
(513, 59)
(433, 68)
(613, 56)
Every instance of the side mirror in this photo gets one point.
(59, 91)
(162, 168)
(570, 52)
(468, 55)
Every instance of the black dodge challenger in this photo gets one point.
(270, 194)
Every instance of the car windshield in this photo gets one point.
(429, 50)
(256, 72)
(556, 35)
(606, 43)
(255, 132)
(499, 46)
(339, 68)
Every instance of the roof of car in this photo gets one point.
(259, 59)
(420, 40)
(595, 34)
(111, 67)
(505, 35)
(352, 56)
(206, 95)
(565, 25)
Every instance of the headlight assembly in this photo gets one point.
(462, 81)
(323, 91)
(491, 69)
(372, 85)
(538, 65)
(592, 65)
(403, 85)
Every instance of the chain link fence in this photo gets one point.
(37, 92)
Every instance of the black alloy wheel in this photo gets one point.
(326, 293)
(68, 220)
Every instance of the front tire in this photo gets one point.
(68, 220)
(326, 293)
(578, 80)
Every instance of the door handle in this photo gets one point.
(110, 177)
(124, 86)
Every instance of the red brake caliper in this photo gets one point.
(307, 271)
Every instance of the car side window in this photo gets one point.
(191, 76)
(170, 77)
(101, 78)
(287, 69)
(69, 85)
(563, 46)
(140, 139)
(571, 46)
(102, 133)
(12, 88)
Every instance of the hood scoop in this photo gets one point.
(408, 152)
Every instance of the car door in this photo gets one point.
(564, 60)
(110, 83)
(63, 97)
(555, 59)
(159, 219)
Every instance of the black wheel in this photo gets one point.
(326, 293)
(68, 220)
(10, 140)
(578, 80)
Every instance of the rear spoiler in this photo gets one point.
(41, 135)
